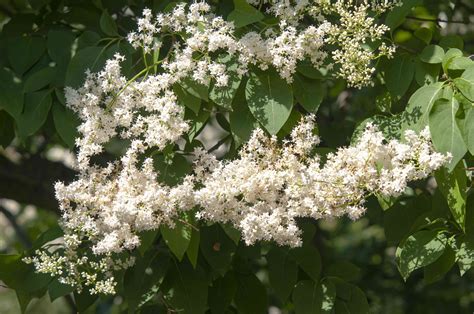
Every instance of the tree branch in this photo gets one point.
(32, 181)
(435, 20)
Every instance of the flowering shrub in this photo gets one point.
(157, 215)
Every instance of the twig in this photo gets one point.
(222, 141)
(435, 20)
(465, 6)
(188, 224)
(405, 48)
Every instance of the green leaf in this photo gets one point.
(90, 58)
(24, 300)
(244, 14)
(425, 34)
(350, 299)
(432, 54)
(84, 300)
(389, 125)
(66, 123)
(308, 259)
(38, 4)
(241, 119)
(436, 271)
(193, 248)
(309, 93)
(309, 228)
(314, 298)
(189, 289)
(270, 100)
(53, 233)
(57, 290)
(123, 48)
(451, 41)
(398, 220)
(282, 272)
(187, 99)
(399, 75)
(198, 123)
(460, 63)
(107, 24)
(11, 93)
(357, 304)
(419, 250)
(196, 89)
(217, 248)
(396, 16)
(222, 292)
(22, 278)
(147, 238)
(291, 122)
(426, 73)
(454, 186)
(7, 129)
(465, 83)
(24, 51)
(9, 265)
(171, 168)
(148, 271)
(87, 39)
(308, 70)
(449, 56)
(34, 115)
(222, 121)
(251, 296)
(39, 79)
(383, 102)
(60, 45)
(416, 114)
(177, 238)
(469, 129)
(465, 253)
(223, 96)
(231, 232)
(344, 270)
(386, 202)
(444, 129)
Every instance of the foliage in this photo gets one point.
(411, 253)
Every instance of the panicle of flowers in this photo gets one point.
(111, 205)
(111, 106)
(338, 35)
(353, 33)
(261, 193)
(79, 271)
(270, 185)
(106, 208)
(144, 37)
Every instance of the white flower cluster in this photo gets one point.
(262, 192)
(110, 106)
(294, 10)
(199, 33)
(355, 29)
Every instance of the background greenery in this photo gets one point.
(407, 255)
